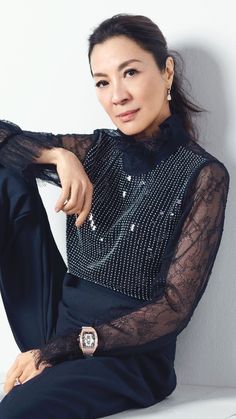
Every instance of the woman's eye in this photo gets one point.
(101, 83)
(131, 72)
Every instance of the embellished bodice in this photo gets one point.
(133, 216)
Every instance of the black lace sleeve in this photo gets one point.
(186, 267)
(20, 148)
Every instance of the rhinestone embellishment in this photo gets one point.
(132, 227)
(128, 255)
(92, 224)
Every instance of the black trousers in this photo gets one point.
(32, 273)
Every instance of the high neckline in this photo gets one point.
(144, 154)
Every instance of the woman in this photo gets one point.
(145, 209)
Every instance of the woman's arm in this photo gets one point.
(19, 149)
(186, 267)
(54, 158)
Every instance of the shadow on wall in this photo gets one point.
(209, 339)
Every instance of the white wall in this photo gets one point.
(45, 85)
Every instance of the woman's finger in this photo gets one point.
(28, 371)
(28, 374)
(23, 366)
(78, 207)
(63, 198)
(23, 381)
(12, 369)
(76, 199)
(86, 208)
(11, 380)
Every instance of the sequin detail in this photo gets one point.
(121, 244)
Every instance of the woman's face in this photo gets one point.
(127, 78)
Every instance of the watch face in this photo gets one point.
(88, 339)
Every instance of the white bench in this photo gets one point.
(188, 402)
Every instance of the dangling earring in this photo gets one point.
(168, 94)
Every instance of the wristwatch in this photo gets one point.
(88, 340)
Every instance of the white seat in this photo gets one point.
(190, 402)
(187, 402)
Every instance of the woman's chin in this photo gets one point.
(130, 130)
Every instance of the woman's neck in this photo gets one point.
(152, 132)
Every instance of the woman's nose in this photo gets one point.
(119, 95)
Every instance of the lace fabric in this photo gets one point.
(187, 262)
(59, 349)
(20, 148)
(142, 154)
(187, 265)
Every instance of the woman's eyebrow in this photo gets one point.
(120, 67)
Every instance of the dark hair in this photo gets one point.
(148, 36)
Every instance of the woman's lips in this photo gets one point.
(128, 116)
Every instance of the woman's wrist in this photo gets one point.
(59, 349)
(52, 155)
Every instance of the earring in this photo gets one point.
(168, 94)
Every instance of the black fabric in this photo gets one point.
(127, 329)
(92, 388)
(107, 248)
(186, 268)
(19, 149)
(140, 155)
(31, 267)
(73, 389)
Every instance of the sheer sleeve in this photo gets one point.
(19, 148)
(186, 267)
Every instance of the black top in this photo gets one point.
(198, 183)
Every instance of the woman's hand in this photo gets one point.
(24, 369)
(77, 190)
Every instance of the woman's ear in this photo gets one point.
(169, 70)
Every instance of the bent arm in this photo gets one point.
(20, 149)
